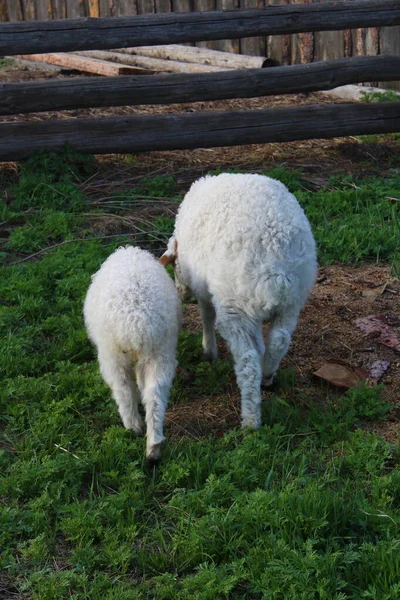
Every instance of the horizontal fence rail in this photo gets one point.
(201, 130)
(61, 94)
(90, 34)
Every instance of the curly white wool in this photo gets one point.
(132, 314)
(243, 245)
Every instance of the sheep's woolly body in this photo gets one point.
(245, 248)
(132, 314)
(245, 237)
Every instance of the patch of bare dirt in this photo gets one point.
(326, 331)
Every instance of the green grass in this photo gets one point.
(6, 62)
(305, 508)
(383, 96)
(356, 221)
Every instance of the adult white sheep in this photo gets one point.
(243, 245)
(132, 314)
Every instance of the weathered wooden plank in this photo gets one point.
(145, 7)
(204, 6)
(14, 10)
(254, 46)
(372, 41)
(348, 44)
(329, 45)
(354, 42)
(162, 6)
(182, 5)
(152, 64)
(3, 11)
(390, 41)
(104, 8)
(94, 8)
(83, 9)
(279, 46)
(302, 46)
(29, 10)
(61, 94)
(125, 8)
(73, 11)
(305, 47)
(371, 47)
(41, 10)
(197, 130)
(358, 42)
(44, 10)
(203, 56)
(59, 9)
(89, 65)
(229, 44)
(87, 34)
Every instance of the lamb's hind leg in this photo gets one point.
(155, 380)
(208, 317)
(245, 342)
(278, 341)
(115, 371)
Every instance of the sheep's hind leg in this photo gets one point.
(245, 341)
(155, 381)
(116, 373)
(208, 317)
(277, 344)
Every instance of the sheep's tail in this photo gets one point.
(171, 254)
(278, 289)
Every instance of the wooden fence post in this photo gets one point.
(14, 10)
(94, 8)
(3, 11)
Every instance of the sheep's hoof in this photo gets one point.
(137, 431)
(154, 453)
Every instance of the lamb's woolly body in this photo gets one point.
(132, 313)
(246, 250)
(131, 304)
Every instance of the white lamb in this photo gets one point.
(132, 314)
(243, 245)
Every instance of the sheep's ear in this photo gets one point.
(169, 257)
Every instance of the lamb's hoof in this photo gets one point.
(210, 356)
(152, 462)
(154, 453)
(268, 381)
(251, 422)
(135, 426)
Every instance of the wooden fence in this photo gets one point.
(288, 49)
(19, 140)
